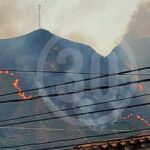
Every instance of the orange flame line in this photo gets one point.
(139, 86)
(16, 84)
(138, 117)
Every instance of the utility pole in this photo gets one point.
(39, 10)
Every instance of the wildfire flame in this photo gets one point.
(16, 84)
(139, 86)
(138, 117)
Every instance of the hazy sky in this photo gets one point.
(102, 24)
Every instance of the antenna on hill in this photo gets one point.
(39, 9)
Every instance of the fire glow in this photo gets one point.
(16, 84)
(139, 86)
(137, 117)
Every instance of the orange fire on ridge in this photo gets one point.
(138, 117)
(15, 84)
(139, 86)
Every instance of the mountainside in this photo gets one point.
(42, 50)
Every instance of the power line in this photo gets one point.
(48, 129)
(76, 107)
(80, 80)
(73, 139)
(59, 129)
(69, 72)
(74, 145)
(67, 146)
(74, 92)
(77, 114)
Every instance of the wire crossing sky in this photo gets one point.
(73, 139)
(67, 109)
(80, 80)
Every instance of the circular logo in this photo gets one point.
(71, 59)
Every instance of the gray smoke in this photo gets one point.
(140, 23)
(17, 17)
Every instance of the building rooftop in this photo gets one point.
(132, 143)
